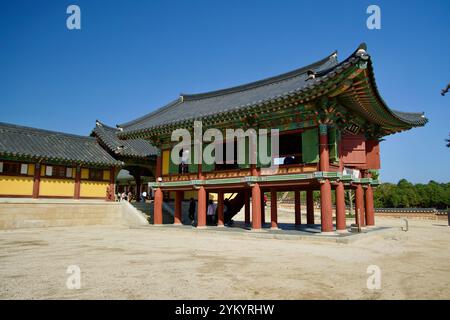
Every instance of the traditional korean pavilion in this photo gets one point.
(331, 118)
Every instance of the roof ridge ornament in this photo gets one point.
(362, 52)
(311, 75)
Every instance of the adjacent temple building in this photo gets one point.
(330, 118)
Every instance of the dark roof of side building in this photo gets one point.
(196, 106)
(38, 144)
(139, 148)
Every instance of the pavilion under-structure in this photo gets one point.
(330, 118)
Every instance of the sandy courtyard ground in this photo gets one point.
(168, 263)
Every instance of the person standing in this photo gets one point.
(144, 196)
(211, 212)
(192, 210)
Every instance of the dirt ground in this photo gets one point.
(168, 263)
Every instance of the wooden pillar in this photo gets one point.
(201, 212)
(325, 186)
(297, 208)
(77, 183)
(157, 209)
(340, 207)
(325, 207)
(158, 173)
(256, 207)
(324, 163)
(310, 207)
(273, 209)
(263, 210)
(359, 205)
(137, 179)
(178, 211)
(370, 211)
(112, 184)
(36, 180)
(247, 207)
(220, 217)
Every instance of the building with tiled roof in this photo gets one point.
(329, 119)
(40, 163)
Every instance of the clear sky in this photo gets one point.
(131, 57)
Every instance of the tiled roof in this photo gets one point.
(414, 118)
(196, 106)
(129, 148)
(31, 143)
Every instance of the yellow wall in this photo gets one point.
(57, 187)
(190, 194)
(106, 175)
(18, 186)
(31, 169)
(165, 161)
(84, 173)
(93, 189)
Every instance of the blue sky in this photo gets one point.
(131, 57)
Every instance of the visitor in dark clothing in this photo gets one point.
(192, 209)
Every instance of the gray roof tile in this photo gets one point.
(26, 142)
(130, 148)
(196, 106)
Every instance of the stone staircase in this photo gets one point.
(168, 211)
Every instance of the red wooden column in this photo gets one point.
(112, 185)
(201, 212)
(77, 183)
(247, 207)
(310, 207)
(157, 209)
(340, 207)
(178, 202)
(220, 217)
(36, 180)
(256, 207)
(370, 211)
(325, 186)
(202, 201)
(158, 201)
(263, 210)
(273, 209)
(298, 209)
(326, 207)
(359, 205)
(158, 170)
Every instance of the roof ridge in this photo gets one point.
(255, 84)
(32, 130)
(101, 124)
(150, 114)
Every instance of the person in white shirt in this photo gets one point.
(211, 212)
(144, 196)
